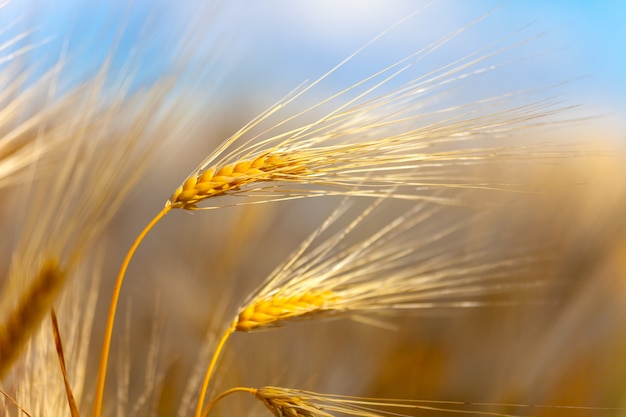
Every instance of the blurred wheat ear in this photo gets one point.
(17, 327)
(71, 156)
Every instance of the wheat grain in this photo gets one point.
(278, 307)
(368, 168)
(217, 181)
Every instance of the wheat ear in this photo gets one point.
(108, 332)
(30, 310)
(217, 180)
(286, 402)
(268, 311)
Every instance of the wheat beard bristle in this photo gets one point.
(32, 308)
(268, 311)
(217, 181)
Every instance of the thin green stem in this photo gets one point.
(209, 371)
(106, 344)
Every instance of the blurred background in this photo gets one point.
(232, 60)
(258, 51)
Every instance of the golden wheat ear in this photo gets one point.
(218, 181)
(278, 307)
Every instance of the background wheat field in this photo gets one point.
(363, 208)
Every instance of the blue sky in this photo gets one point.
(243, 44)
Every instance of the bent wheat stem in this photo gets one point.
(214, 401)
(209, 371)
(108, 332)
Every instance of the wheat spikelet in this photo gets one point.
(279, 307)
